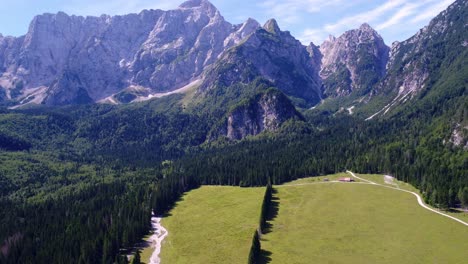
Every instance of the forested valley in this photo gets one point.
(79, 183)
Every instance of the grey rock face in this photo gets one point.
(419, 61)
(274, 55)
(353, 62)
(90, 48)
(266, 112)
(75, 94)
(409, 66)
(156, 50)
(180, 46)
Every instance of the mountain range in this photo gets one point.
(192, 50)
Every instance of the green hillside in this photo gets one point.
(359, 223)
(212, 225)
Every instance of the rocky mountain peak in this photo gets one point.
(241, 32)
(200, 5)
(346, 57)
(366, 27)
(250, 22)
(272, 26)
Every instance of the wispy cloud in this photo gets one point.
(405, 11)
(431, 11)
(290, 11)
(384, 17)
(312, 35)
(367, 16)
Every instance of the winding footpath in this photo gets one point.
(157, 238)
(420, 200)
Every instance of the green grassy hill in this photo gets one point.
(316, 221)
(212, 225)
(359, 223)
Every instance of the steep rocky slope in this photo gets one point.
(266, 111)
(63, 59)
(418, 66)
(353, 62)
(273, 55)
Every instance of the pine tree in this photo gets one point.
(463, 196)
(137, 258)
(255, 249)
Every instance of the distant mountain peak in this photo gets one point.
(272, 26)
(196, 4)
(366, 27)
(343, 60)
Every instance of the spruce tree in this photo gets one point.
(463, 197)
(137, 258)
(255, 249)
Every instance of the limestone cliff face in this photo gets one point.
(155, 50)
(353, 62)
(266, 111)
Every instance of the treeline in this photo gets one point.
(351, 144)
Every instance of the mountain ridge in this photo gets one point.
(106, 62)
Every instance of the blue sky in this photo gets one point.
(308, 20)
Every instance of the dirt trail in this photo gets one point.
(156, 239)
(314, 183)
(420, 200)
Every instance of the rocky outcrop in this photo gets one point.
(410, 61)
(266, 111)
(274, 55)
(418, 63)
(354, 62)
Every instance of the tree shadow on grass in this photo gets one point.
(272, 211)
(456, 210)
(265, 255)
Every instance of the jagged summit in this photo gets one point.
(201, 6)
(347, 57)
(366, 27)
(272, 26)
(196, 4)
(251, 21)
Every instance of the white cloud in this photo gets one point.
(405, 14)
(312, 35)
(289, 11)
(367, 16)
(406, 11)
